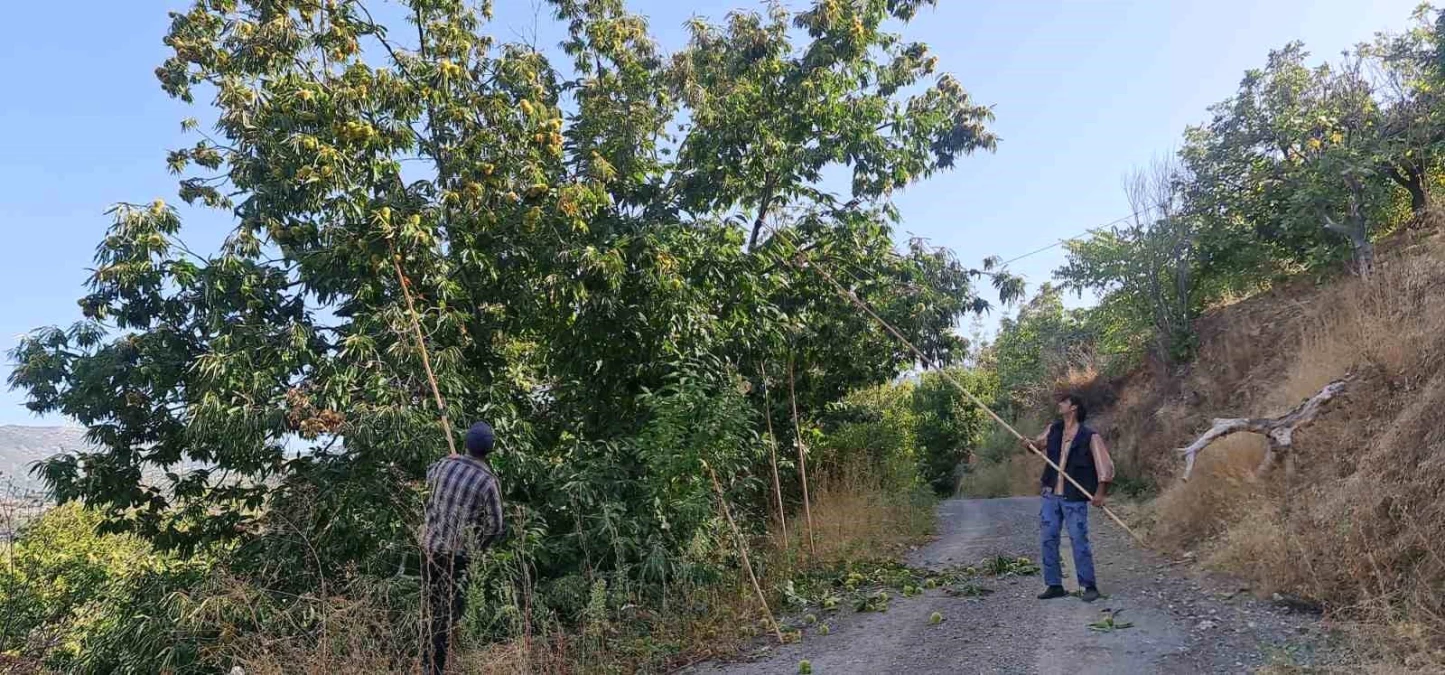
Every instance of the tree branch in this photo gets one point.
(1333, 226)
(1389, 169)
(1279, 430)
(763, 205)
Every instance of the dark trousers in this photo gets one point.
(444, 580)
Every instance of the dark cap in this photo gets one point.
(480, 438)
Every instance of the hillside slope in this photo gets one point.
(22, 446)
(1357, 526)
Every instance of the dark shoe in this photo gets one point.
(1090, 594)
(1053, 592)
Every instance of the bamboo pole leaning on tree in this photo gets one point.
(802, 462)
(743, 551)
(421, 345)
(773, 451)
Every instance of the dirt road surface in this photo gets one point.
(1182, 621)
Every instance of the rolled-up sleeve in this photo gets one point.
(1102, 463)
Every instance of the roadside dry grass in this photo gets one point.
(1014, 476)
(854, 518)
(1358, 527)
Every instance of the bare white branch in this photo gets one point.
(1279, 430)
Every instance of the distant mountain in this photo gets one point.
(22, 446)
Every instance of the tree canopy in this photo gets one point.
(604, 248)
(1302, 168)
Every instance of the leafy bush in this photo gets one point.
(1032, 349)
(875, 428)
(93, 603)
(913, 431)
(950, 427)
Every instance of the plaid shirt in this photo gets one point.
(463, 507)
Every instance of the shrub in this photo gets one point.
(92, 603)
(914, 431)
(950, 426)
(874, 429)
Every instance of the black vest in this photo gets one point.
(1080, 463)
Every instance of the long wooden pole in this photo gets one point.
(743, 551)
(802, 461)
(425, 358)
(773, 451)
(928, 363)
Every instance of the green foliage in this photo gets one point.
(1144, 270)
(1302, 155)
(967, 589)
(949, 426)
(93, 603)
(1034, 348)
(827, 103)
(825, 586)
(864, 584)
(1301, 169)
(1003, 566)
(875, 428)
(584, 240)
(911, 431)
(1109, 622)
(1254, 163)
(603, 250)
(877, 601)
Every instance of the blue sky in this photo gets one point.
(1082, 90)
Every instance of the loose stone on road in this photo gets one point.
(1180, 624)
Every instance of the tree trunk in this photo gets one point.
(1419, 198)
(1357, 230)
(1412, 177)
(763, 205)
(1364, 253)
(1362, 249)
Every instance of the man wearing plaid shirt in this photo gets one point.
(463, 516)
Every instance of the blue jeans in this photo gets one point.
(1054, 514)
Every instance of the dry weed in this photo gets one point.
(1016, 476)
(1359, 525)
(1257, 547)
(1392, 321)
(1083, 379)
(1222, 488)
(855, 517)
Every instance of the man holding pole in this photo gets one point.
(1085, 459)
(463, 516)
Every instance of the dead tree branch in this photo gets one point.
(1278, 430)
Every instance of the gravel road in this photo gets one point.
(1182, 621)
